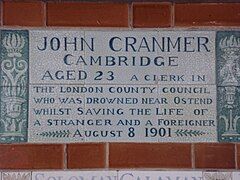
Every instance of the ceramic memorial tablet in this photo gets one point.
(63, 86)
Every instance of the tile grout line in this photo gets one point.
(1, 13)
(107, 155)
(130, 16)
(45, 13)
(65, 156)
(172, 14)
(235, 158)
(193, 156)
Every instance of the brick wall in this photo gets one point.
(119, 15)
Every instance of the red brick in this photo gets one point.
(207, 14)
(238, 156)
(143, 155)
(0, 13)
(29, 156)
(30, 13)
(90, 155)
(151, 15)
(87, 14)
(215, 155)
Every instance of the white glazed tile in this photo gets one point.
(74, 175)
(198, 63)
(190, 116)
(104, 118)
(53, 115)
(160, 175)
(55, 65)
(174, 67)
(236, 175)
(126, 116)
(123, 73)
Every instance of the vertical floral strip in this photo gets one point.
(14, 86)
(228, 81)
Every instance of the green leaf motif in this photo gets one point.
(186, 132)
(56, 134)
